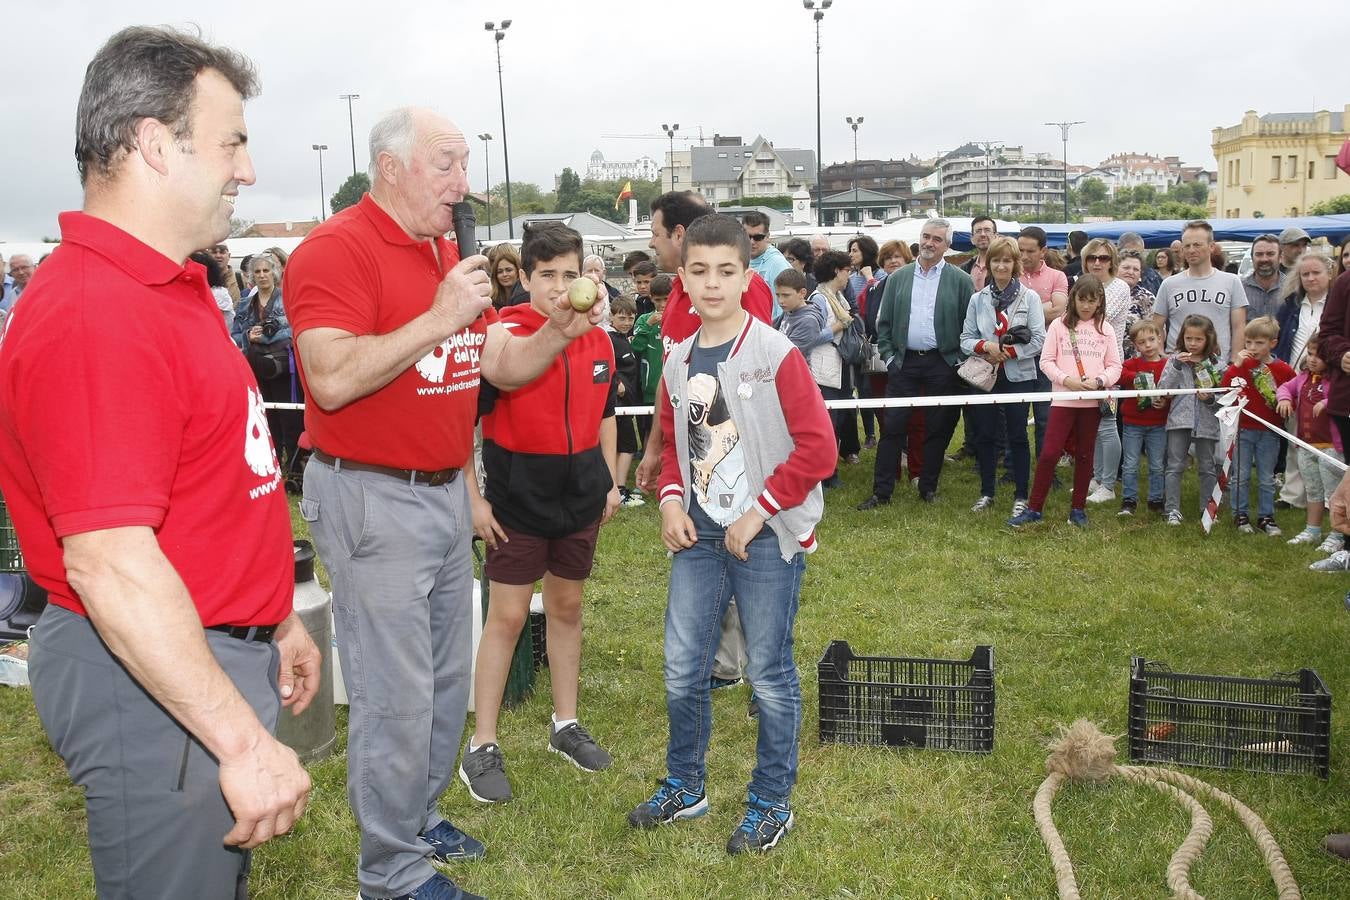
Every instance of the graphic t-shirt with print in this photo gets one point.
(716, 457)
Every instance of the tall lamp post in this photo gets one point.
(499, 32)
(487, 173)
(351, 124)
(818, 8)
(857, 214)
(323, 214)
(1064, 136)
(670, 133)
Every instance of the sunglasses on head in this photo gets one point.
(1105, 257)
(758, 237)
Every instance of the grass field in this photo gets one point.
(1064, 609)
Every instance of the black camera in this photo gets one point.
(270, 326)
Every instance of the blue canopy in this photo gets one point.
(1161, 232)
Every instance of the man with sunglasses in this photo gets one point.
(764, 256)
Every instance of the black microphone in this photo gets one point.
(466, 227)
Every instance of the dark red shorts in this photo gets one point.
(525, 558)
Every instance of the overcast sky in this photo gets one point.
(1148, 76)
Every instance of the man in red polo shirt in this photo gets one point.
(394, 332)
(142, 481)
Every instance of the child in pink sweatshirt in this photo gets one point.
(1305, 398)
(1081, 353)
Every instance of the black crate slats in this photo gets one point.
(936, 704)
(1280, 725)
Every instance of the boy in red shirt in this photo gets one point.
(1144, 418)
(1258, 445)
(549, 453)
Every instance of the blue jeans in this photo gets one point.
(702, 579)
(1257, 447)
(1152, 439)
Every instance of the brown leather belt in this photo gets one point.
(431, 479)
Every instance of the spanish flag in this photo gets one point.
(624, 194)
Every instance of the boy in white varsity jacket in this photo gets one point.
(752, 442)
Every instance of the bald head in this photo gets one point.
(418, 169)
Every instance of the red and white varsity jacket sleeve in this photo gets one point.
(669, 485)
(812, 459)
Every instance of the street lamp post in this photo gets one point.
(670, 133)
(499, 32)
(1064, 136)
(818, 8)
(351, 124)
(857, 214)
(323, 214)
(487, 173)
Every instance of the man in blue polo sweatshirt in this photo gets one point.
(919, 336)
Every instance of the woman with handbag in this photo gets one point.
(1004, 330)
(262, 331)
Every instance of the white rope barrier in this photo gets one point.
(991, 399)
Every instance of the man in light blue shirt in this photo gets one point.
(7, 295)
(923, 309)
(764, 256)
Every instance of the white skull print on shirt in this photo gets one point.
(258, 450)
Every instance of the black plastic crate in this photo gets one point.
(11, 559)
(1280, 724)
(938, 704)
(539, 640)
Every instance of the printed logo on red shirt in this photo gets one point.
(460, 353)
(259, 453)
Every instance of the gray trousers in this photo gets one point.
(1179, 441)
(157, 818)
(399, 563)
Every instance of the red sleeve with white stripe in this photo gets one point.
(814, 451)
(669, 484)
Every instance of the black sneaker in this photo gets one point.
(483, 771)
(873, 502)
(763, 827)
(1244, 524)
(1155, 506)
(673, 800)
(449, 843)
(752, 711)
(717, 684)
(576, 745)
(1127, 507)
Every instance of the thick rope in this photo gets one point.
(1083, 754)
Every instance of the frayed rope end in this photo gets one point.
(1082, 753)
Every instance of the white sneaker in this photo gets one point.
(1335, 541)
(631, 501)
(1336, 562)
(1306, 536)
(1093, 485)
(1174, 517)
(1102, 495)
(1019, 507)
(982, 504)
(1065, 460)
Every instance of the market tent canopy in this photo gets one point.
(1161, 232)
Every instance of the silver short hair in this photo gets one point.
(272, 263)
(940, 223)
(594, 256)
(394, 134)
